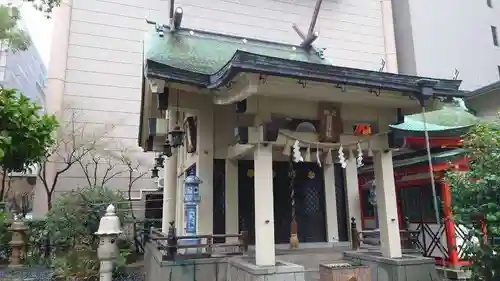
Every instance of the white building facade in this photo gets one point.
(434, 38)
(96, 57)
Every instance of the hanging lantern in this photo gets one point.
(177, 136)
(372, 195)
(154, 172)
(167, 149)
(159, 161)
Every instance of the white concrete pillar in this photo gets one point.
(231, 199)
(352, 191)
(386, 205)
(264, 206)
(391, 59)
(332, 229)
(205, 167)
(179, 206)
(56, 83)
(170, 183)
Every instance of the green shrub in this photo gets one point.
(5, 237)
(75, 216)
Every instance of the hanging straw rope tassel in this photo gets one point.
(294, 240)
(431, 169)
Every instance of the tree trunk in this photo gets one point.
(2, 191)
(49, 202)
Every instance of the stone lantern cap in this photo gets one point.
(193, 180)
(110, 223)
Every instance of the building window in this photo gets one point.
(490, 4)
(494, 33)
(498, 71)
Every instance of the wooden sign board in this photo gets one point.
(190, 129)
(330, 122)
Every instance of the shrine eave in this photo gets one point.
(491, 88)
(437, 158)
(208, 60)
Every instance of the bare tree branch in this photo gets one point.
(74, 144)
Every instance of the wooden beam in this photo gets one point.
(314, 18)
(311, 36)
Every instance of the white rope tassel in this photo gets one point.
(307, 158)
(318, 160)
(297, 156)
(370, 151)
(359, 159)
(342, 161)
(287, 148)
(431, 170)
(328, 159)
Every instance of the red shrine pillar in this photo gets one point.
(449, 225)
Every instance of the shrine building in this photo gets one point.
(279, 137)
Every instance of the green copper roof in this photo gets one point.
(449, 119)
(207, 53)
(210, 60)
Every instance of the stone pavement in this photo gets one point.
(311, 255)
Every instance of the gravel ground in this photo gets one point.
(45, 274)
(26, 274)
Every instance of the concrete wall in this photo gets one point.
(351, 30)
(435, 37)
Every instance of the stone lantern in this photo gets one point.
(18, 229)
(107, 252)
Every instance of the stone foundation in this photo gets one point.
(408, 268)
(449, 274)
(216, 269)
(344, 272)
(244, 268)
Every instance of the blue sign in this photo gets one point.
(191, 218)
(191, 201)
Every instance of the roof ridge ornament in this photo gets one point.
(311, 36)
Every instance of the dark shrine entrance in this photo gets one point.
(309, 201)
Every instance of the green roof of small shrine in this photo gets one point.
(210, 60)
(449, 120)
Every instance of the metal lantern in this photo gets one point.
(191, 189)
(159, 161)
(372, 198)
(154, 172)
(167, 149)
(177, 136)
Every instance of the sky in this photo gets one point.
(40, 30)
